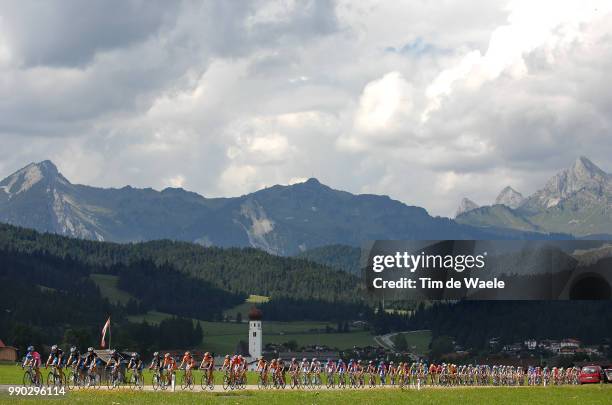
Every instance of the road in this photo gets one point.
(219, 388)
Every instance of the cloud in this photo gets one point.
(423, 102)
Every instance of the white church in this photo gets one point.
(255, 334)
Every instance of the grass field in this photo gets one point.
(107, 284)
(222, 337)
(582, 395)
(418, 341)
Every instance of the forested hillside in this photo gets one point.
(341, 257)
(237, 270)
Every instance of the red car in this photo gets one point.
(590, 374)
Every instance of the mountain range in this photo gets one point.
(282, 220)
(577, 201)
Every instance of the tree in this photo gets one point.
(198, 332)
(292, 345)
(400, 343)
(440, 346)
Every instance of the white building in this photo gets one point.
(531, 344)
(255, 333)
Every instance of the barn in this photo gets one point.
(7, 353)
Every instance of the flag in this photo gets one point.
(104, 330)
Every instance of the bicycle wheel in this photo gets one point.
(139, 383)
(163, 382)
(155, 382)
(70, 383)
(260, 383)
(28, 380)
(50, 379)
(226, 382)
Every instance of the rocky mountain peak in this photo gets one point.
(29, 176)
(584, 167)
(583, 175)
(510, 198)
(466, 205)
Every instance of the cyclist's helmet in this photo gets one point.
(207, 354)
(72, 349)
(391, 362)
(90, 349)
(187, 353)
(304, 359)
(155, 354)
(260, 357)
(112, 352)
(167, 355)
(227, 356)
(371, 362)
(293, 359)
(53, 348)
(30, 348)
(279, 359)
(134, 355)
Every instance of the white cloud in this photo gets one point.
(424, 102)
(177, 181)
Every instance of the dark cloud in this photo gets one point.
(70, 33)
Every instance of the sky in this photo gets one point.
(424, 101)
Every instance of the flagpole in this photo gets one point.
(110, 333)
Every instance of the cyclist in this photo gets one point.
(170, 366)
(33, 360)
(340, 367)
(262, 369)
(157, 364)
(330, 369)
(135, 365)
(371, 371)
(272, 369)
(114, 361)
(315, 370)
(280, 370)
(294, 370)
(305, 369)
(189, 363)
(91, 362)
(74, 361)
(382, 372)
(433, 371)
(352, 371)
(238, 368)
(392, 371)
(55, 360)
(359, 373)
(227, 364)
(208, 365)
